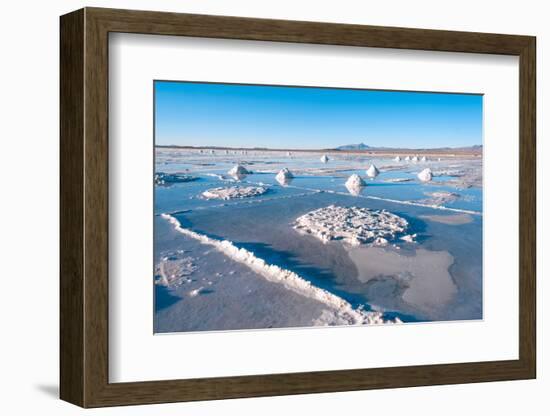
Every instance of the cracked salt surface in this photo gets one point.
(353, 225)
(174, 269)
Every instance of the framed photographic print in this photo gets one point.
(256, 207)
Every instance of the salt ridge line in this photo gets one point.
(418, 204)
(343, 310)
(396, 201)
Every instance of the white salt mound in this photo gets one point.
(355, 181)
(397, 159)
(324, 159)
(423, 159)
(425, 175)
(372, 171)
(352, 225)
(284, 176)
(407, 158)
(238, 170)
(355, 184)
(415, 159)
(234, 192)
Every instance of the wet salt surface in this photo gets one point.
(263, 225)
(223, 294)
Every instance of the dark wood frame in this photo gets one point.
(84, 207)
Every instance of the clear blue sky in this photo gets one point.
(202, 114)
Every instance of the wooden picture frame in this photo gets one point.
(84, 207)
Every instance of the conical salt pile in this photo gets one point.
(284, 176)
(397, 159)
(238, 170)
(355, 180)
(425, 175)
(355, 184)
(324, 159)
(373, 171)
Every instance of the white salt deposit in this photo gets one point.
(398, 180)
(352, 225)
(234, 192)
(196, 292)
(441, 197)
(284, 176)
(372, 171)
(355, 180)
(341, 311)
(397, 159)
(162, 178)
(409, 238)
(423, 159)
(324, 159)
(414, 159)
(354, 184)
(238, 170)
(425, 175)
(216, 175)
(407, 159)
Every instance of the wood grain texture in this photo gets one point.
(85, 217)
(71, 217)
(528, 207)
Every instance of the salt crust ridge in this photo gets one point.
(341, 312)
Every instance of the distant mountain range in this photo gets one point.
(363, 146)
(360, 146)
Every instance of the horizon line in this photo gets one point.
(318, 149)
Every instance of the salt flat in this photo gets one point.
(394, 248)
